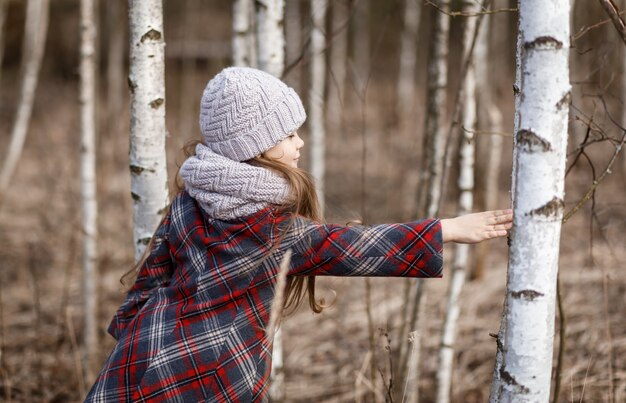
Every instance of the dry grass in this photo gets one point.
(325, 354)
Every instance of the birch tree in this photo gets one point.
(88, 181)
(115, 61)
(489, 120)
(432, 165)
(539, 161)
(244, 53)
(338, 60)
(466, 201)
(271, 58)
(36, 28)
(408, 58)
(316, 95)
(147, 126)
(4, 5)
(293, 41)
(270, 36)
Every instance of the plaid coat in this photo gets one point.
(192, 326)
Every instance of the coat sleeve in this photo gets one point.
(155, 272)
(390, 250)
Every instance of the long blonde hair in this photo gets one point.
(302, 202)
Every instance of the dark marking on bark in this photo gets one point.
(516, 90)
(135, 196)
(156, 103)
(532, 142)
(550, 209)
(143, 241)
(508, 378)
(153, 35)
(565, 101)
(131, 85)
(544, 43)
(136, 170)
(528, 295)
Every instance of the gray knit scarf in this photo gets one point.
(227, 189)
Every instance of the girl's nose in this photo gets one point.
(300, 142)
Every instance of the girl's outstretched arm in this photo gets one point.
(477, 227)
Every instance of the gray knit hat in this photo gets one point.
(245, 112)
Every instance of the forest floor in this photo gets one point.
(327, 356)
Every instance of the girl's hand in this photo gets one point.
(477, 227)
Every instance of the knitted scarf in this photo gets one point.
(228, 189)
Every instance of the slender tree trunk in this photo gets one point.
(36, 29)
(434, 145)
(466, 202)
(148, 164)
(270, 36)
(88, 181)
(538, 202)
(338, 60)
(408, 58)
(624, 97)
(360, 61)
(293, 28)
(271, 58)
(243, 33)
(4, 5)
(115, 63)
(489, 120)
(316, 95)
(186, 109)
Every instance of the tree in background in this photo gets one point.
(36, 29)
(146, 80)
(243, 43)
(316, 96)
(88, 35)
(527, 341)
(466, 203)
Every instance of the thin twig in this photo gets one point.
(584, 30)
(464, 14)
(562, 333)
(613, 12)
(596, 182)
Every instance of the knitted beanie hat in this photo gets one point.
(245, 112)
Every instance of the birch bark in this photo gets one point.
(147, 125)
(316, 96)
(408, 58)
(434, 139)
(88, 182)
(338, 59)
(243, 34)
(466, 201)
(539, 162)
(36, 29)
(270, 36)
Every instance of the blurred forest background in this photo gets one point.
(373, 161)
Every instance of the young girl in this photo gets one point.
(193, 326)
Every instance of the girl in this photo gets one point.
(193, 326)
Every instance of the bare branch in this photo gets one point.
(613, 12)
(465, 14)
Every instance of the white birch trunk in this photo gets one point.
(541, 141)
(271, 58)
(147, 126)
(466, 202)
(338, 59)
(489, 119)
(270, 36)
(436, 113)
(88, 181)
(411, 393)
(316, 96)
(243, 34)
(36, 28)
(293, 41)
(408, 58)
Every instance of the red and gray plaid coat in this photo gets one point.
(192, 326)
